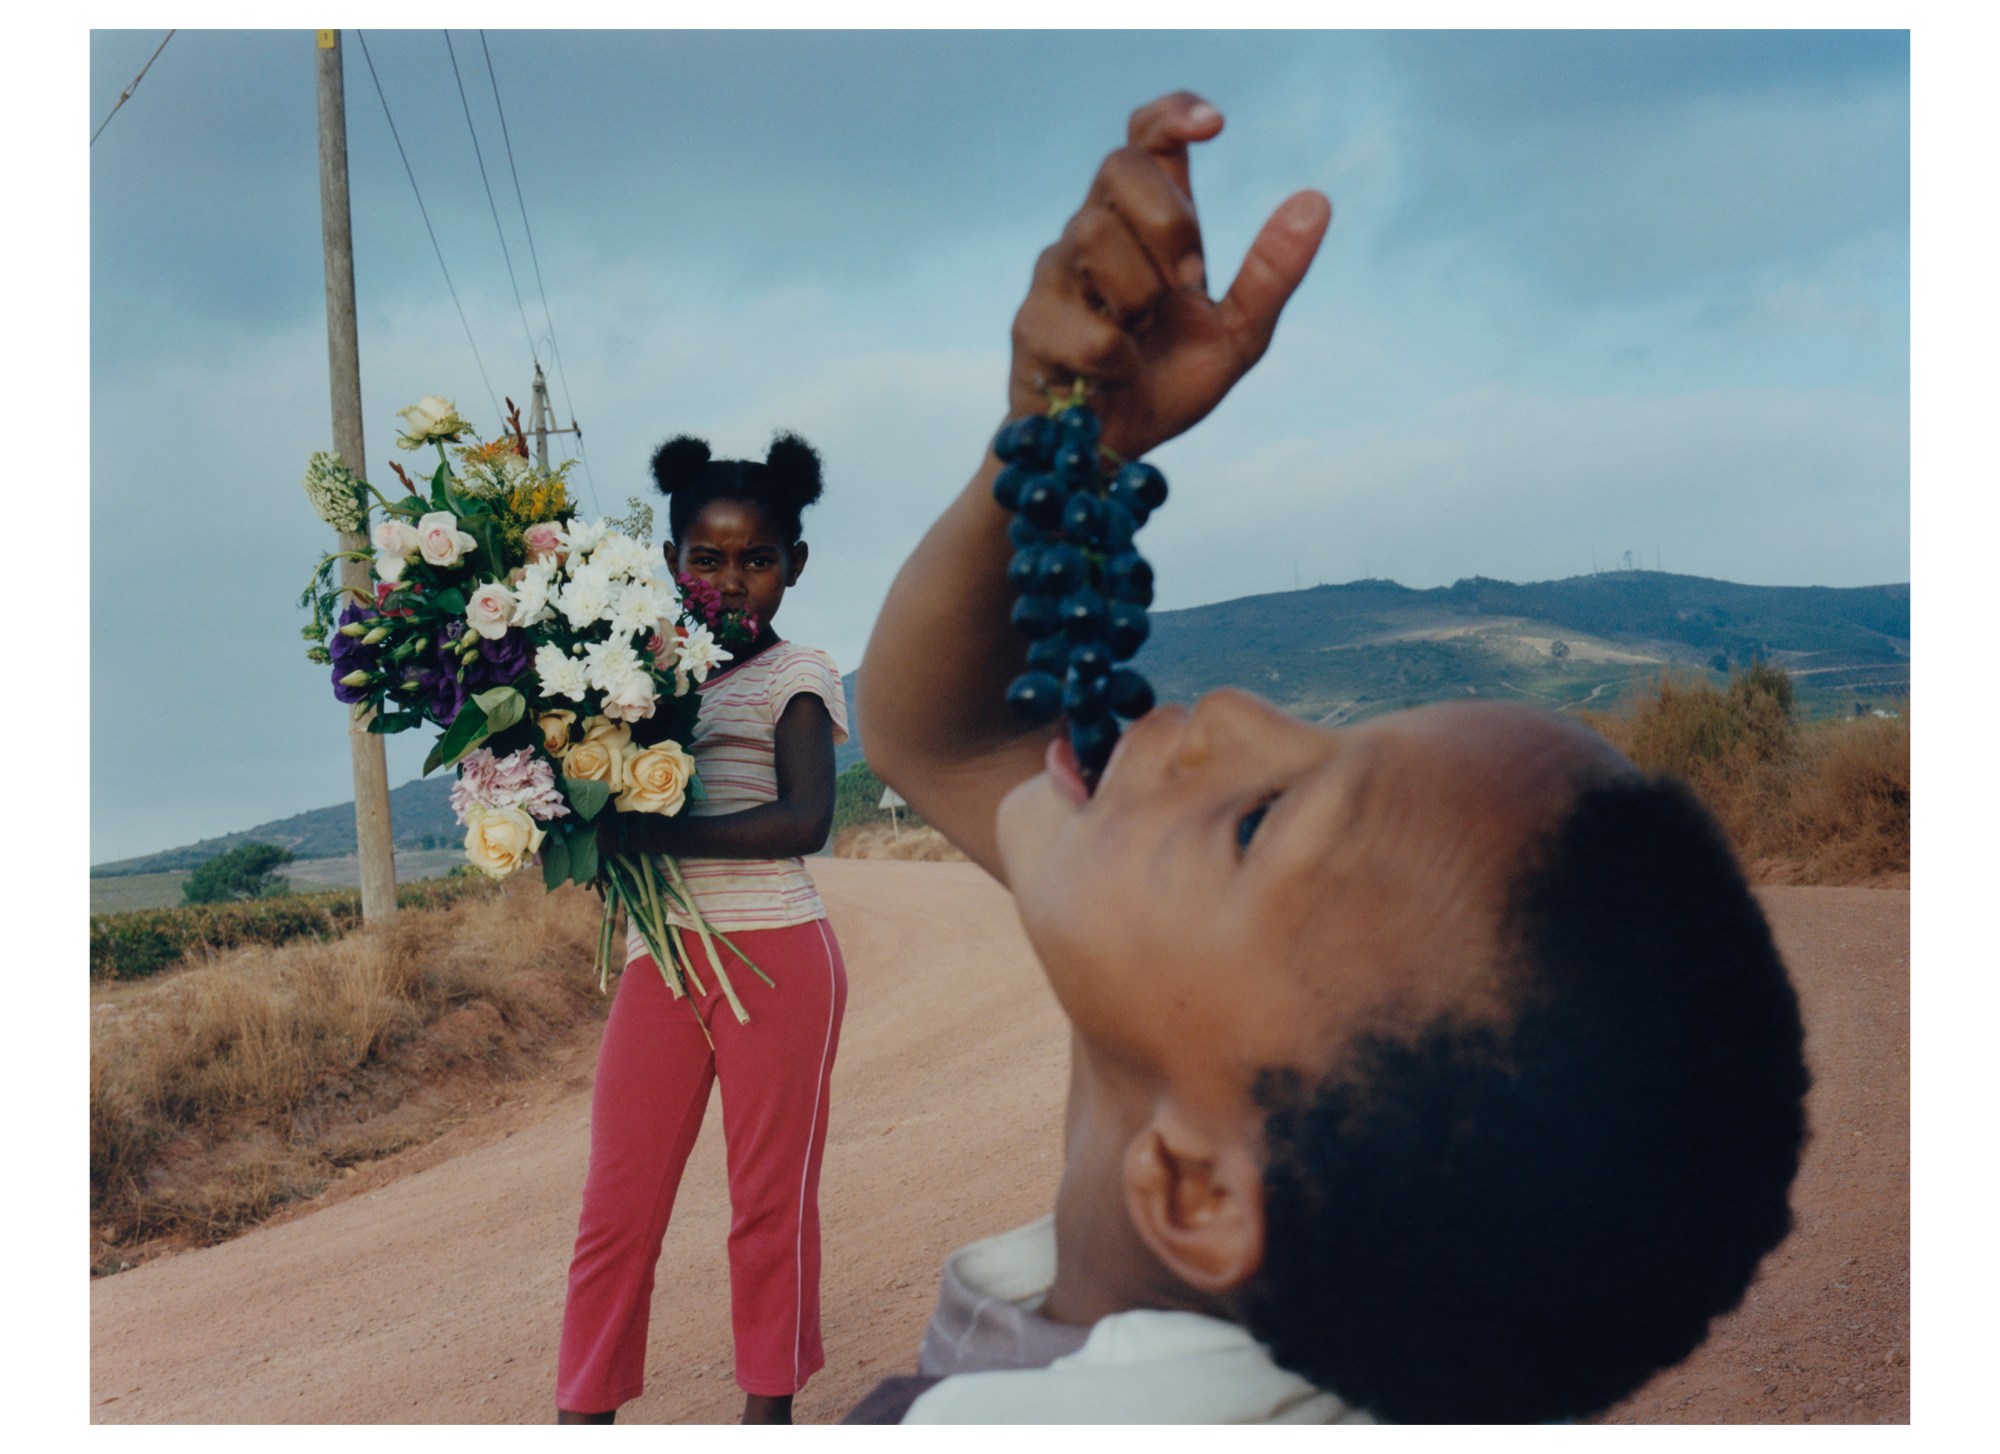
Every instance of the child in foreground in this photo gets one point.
(1435, 1069)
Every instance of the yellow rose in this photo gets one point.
(500, 841)
(598, 760)
(595, 728)
(656, 780)
(555, 730)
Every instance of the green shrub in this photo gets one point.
(857, 800)
(140, 942)
(247, 871)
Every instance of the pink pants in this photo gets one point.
(653, 1079)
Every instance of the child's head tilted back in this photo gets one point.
(1445, 1052)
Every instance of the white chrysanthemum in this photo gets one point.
(609, 664)
(700, 654)
(562, 675)
(623, 556)
(584, 534)
(334, 491)
(534, 592)
(634, 609)
(588, 596)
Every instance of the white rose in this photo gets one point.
(562, 675)
(631, 698)
(430, 418)
(490, 610)
(395, 537)
(388, 568)
(500, 841)
(439, 539)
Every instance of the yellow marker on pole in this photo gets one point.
(326, 39)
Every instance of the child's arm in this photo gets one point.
(794, 825)
(1120, 299)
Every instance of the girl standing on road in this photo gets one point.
(763, 747)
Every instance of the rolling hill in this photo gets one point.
(1338, 653)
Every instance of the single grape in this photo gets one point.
(1125, 626)
(1090, 655)
(1035, 440)
(1148, 483)
(1127, 577)
(1023, 533)
(1092, 743)
(1081, 614)
(1081, 517)
(1126, 493)
(1085, 696)
(1007, 485)
(1075, 464)
(1115, 527)
(1036, 695)
(1062, 568)
(1129, 694)
(1042, 502)
(1037, 616)
(1052, 655)
(1007, 443)
(1078, 425)
(1024, 571)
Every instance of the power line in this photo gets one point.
(480, 157)
(126, 94)
(554, 348)
(490, 396)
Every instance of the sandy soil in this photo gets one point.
(429, 1288)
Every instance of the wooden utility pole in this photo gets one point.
(539, 414)
(374, 842)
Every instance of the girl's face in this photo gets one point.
(732, 546)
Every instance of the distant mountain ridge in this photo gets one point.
(1338, 653)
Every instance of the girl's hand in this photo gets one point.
(1122, 296)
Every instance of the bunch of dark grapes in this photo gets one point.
(1083, 588)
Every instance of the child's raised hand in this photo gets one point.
(1122, 296)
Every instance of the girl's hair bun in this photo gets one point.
(679, 462)
(795, 469)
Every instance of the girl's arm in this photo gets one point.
(1120, 299)
(791, 827)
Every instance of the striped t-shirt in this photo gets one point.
(734, 757)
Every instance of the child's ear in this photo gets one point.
(1196, 1199)
(673, 554)
(798, 554)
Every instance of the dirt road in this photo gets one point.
(436, 1295)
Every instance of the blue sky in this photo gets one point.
(1584, 293)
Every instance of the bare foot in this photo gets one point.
(759, 1408)
(565, 1416)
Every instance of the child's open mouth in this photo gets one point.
(1065, 771)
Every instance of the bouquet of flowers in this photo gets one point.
(563, 672)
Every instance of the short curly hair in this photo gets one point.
(1524, 1223)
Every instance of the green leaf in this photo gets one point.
(434, 759)
(583, 853)
(397, 721)
(696, 791)
(503, 707)
(467, 731)
(555, 861)
(586, 797)
(439, 483)
(450, 601)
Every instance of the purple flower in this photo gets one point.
(438, 683)
(504, 658)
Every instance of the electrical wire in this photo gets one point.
(480, 157)
(555, 348)
(126, 94)
(490, 396)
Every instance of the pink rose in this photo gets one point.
(544, 539)
(489, 610)
(439, 539)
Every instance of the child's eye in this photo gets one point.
(1247, 828)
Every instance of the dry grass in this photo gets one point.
(919, 843)
(1823, 803)
(221, 1091)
